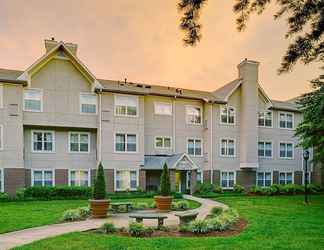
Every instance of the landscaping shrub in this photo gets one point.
(4, 197)
(222, 221)
(204, 188)
(99, 188)
(174, 205)
(276, 189)
(177, 195)
(138, 229)
(216, 211)
(152, 205)
(141, 206)
(218, 189)
(182, 205)
(85, 212)
(109, 228)
(71, 215)
(313, 188)
(199, 227)
(165, 185)
(184, 228)
(215, 224)
(238, 188)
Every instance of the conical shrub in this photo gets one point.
(99, 188)
(165, 181)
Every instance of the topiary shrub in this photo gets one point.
(199, 227)
(99, 188)
(238, 188)
(71, 215)
(165, 185)
(108, 228)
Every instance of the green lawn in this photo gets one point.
(274, 223)
(20, 215)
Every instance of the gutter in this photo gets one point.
(21, 82)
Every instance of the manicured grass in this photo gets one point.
(281, 222)
(20, 215)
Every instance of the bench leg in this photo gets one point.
(139, 220)
(160, 222)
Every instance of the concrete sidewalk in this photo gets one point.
(14, 239)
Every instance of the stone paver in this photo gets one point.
(13, 239)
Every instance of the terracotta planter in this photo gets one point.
(163, 203)
(99, 208)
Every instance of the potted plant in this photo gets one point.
(163, 201)
(99, 204)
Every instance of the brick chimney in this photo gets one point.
(248, 72)
(51, 43)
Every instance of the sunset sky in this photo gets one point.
(141, 40)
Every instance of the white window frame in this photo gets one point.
(287, 172)
(264, 172)
(129, 170)
(42, 151)
(79, 133)
(264, 142)
(163, 103)
(2, 180)
(88, 94)
(293, 120)
(78, 169)
(163, 144)
(1, 96)
(41, 100)
(293, 149)
(126, 152)
(221, 179)
(126, 115)
(220, 115)
(220, 148)
(202, 146)
(43, 179)
(1, 138)
(264, 113)
(201, 112)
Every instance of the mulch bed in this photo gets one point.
(235, 229)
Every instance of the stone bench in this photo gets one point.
(159, 217)
(116, 206)
(187, 217)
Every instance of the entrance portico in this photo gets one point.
(182, 171)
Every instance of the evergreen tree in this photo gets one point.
(305, 20)
(311, 130)
(165, 181)
(99, 189)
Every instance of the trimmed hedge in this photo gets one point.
(289, 189)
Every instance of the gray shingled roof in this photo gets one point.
(218, 96)
(156, 162)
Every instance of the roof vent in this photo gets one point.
(179, 91)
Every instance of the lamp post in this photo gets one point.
(306, 157)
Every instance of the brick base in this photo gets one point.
(206, 176)
(216, 177)
(61, 177)
(14, 178)
(142, 179)
(246, 178)
(110, 180)
(298, 177)
(275, 177)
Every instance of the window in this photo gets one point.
(1, 137)
(228, 180)
(194, 147)
(126, 180)
(43, 141)
(285, 178)
(1, 180)
(79, 142)
(33, 100)
(88, 103)
(193, 115)
(162, 108)
(42, 178)
(79, 178)
(286, 120)
(1, 96)
(227, 115)
(162, 142)
(227, 147)
(264, 179)
(265, 149)
(125, 142)
(286, 150)
(265, 119)
(126, 105)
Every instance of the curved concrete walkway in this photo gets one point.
(17, 238)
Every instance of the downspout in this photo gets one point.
(100, 128)
(211, 145)
(174, 125)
